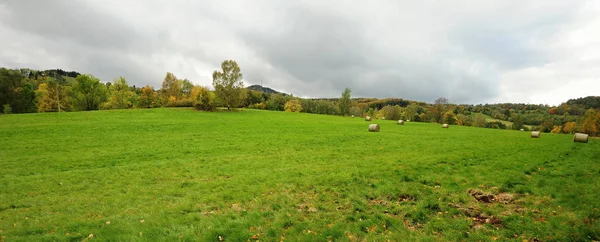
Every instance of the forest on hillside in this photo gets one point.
(29, 91)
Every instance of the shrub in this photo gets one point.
(258, 106)
(495, 125)
(7, 109)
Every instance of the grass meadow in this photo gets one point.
(179, 174)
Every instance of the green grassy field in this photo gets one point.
(179, 174)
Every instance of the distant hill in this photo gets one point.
(267, 90)
(586, 102)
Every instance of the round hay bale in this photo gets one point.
(373, 127)
(535, 134)
(445, 126)
(368, 118)
(580, 137)
(401, 122)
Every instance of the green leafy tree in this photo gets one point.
(517, 122)
(345, 102)
(186, 88)
(479, 120)
(253, 97)
(17, 91)
(411, 111)
(228, 84)
(87, 93)
(120, 95)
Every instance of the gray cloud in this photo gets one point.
(470, 52)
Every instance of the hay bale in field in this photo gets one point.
(401, 122)
(368, 118)
(445, 126)
(373, 127)
(535, 134)
(580, 137)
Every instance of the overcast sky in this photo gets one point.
(470, 51)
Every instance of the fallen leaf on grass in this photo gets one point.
(372, 228)
(255, 237)
(107, 222)
(141, 221)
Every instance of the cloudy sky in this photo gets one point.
(469, 51)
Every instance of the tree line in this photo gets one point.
(26, 91)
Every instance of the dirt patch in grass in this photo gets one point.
(488, 197)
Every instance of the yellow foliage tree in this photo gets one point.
(148, 97)
(556, 130)
(202, 98)
(293, 105)
(590, 122)
(569, 127)
(51, 97)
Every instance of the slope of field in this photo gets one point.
(169, 174)
(489, 118)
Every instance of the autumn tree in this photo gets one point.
(228, 84)
(449, 117)
(87, 93)
(202, 98)
(148, 97)
(392, 112)
(569, 127)
(171, 89)
(52, 97)
(345, 102)
(590, 123)
(439, 108)
(293, 105)
(120, 95)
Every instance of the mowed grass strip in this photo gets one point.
(169, 174)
